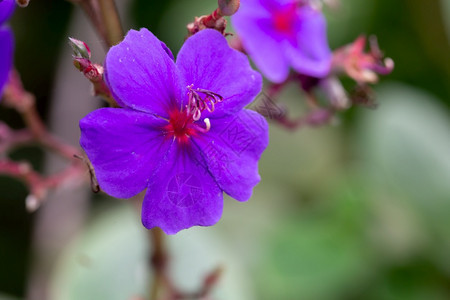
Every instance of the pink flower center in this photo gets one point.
(285, 18)
(181, 126)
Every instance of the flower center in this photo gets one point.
(183, 123)
(285, 18)
(180, 124)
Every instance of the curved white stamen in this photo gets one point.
(207, 123)
(207, 126)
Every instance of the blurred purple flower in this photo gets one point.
(182, 132)
(280, 34)
(6, 41)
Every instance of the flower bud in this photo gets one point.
(80, 49)
(22, 3)
(335, 93)
(81, 63)
(32, 203)
(228, 7)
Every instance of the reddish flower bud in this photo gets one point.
(22, 3)
(94, 72)
(80, 48)
(228, 7)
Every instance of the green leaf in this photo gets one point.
(405, 147)
(406, 143)
(107, 262)
(320, 254)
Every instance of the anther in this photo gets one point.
(201, 99)
(197, 114)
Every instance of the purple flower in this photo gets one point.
(279, 34)
(183, 132)
(6, 41)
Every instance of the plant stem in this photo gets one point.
(111, 21)
(105, 19)
(91, 9)
(158, 261)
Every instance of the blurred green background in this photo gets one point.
(358, 210)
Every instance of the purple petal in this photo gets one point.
(142, 75)
(6, 56)
(310, 55)
(256, 8)
(182, 194)
(232, 149)
(6, 10)
(167, 51)
(125, 148)
(263, 47)
(207, 62)
(277, 4)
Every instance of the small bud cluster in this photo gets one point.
(93, 72)
(360, 66)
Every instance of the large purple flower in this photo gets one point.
(6, 41)
(182, 132)
(280, 34)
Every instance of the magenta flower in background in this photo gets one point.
(6, 41)
(283, 34)
(183, 132)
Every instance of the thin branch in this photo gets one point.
(39, 185)
(91, 8)
(24, 102)
(10, 139)
(111, 21)
(104, 17)
(158, 262)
